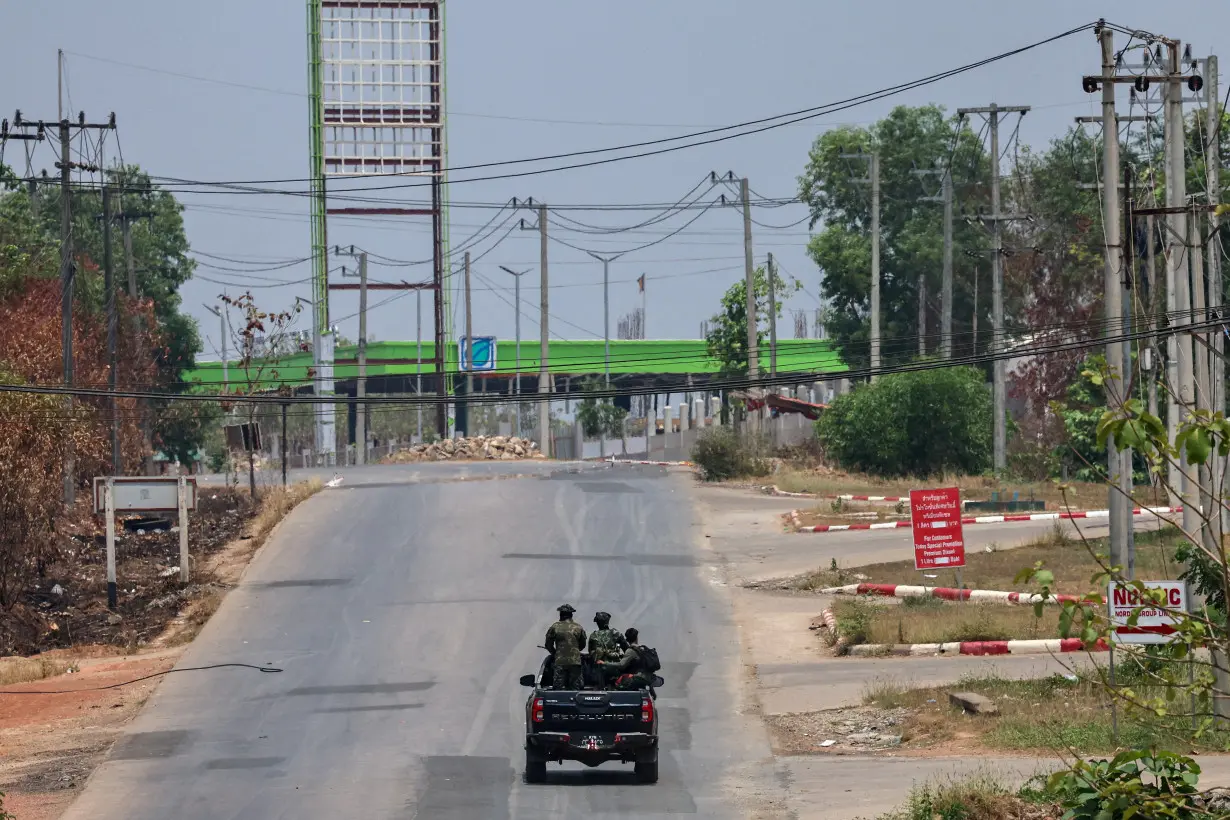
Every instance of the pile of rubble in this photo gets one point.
(505, 448)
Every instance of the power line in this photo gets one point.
(712, 136)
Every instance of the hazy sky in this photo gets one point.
(535, 78)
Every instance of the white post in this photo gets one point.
(683, 417)
(183, 529)
(715, 409)
(109, 510)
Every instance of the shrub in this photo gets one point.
(919, 423)
(722, 454)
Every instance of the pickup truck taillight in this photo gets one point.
(646, 710)
(538, 716)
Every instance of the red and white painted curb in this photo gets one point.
(1026, 647)
(983, 519)
(1023, 647)
(651, 463)
(949, 594)
(774, 490)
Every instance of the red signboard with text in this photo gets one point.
(936, 518)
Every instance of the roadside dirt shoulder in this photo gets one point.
(50, 743)
(55, 731)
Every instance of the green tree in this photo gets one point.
(599, 416)
(909, 139)
(916, 423)
(1081, 410)
(162, 264)
(727, 339)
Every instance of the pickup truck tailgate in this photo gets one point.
(594, 712)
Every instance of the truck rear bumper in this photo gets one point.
(590, 749)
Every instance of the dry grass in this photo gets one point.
(1063, 714)
(24, 670)
(979, 796)
(1069, 558)
(928, 620)
(276, 504)
(976, 488)
(194, 617)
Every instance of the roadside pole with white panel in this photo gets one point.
(161, 494)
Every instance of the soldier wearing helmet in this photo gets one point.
(605, 644)
(565, 640)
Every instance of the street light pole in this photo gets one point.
(517, 321)
(606, 330)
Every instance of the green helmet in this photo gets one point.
(565, 609)
(602, 618)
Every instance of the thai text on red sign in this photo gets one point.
(939, 542)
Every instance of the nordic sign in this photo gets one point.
(484, 353)
(936, 518)
(1155, 617)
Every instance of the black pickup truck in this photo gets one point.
(591, 726)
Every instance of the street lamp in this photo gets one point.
(606, 327)
(517, 318)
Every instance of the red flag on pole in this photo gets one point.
(640, 283)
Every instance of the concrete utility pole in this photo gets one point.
(946, 281)
(126, 219)
(1217, 365)
(67, 268)
(418, 363)
(117, 465)
(874, 167)
(544, 375)
(606, 329)
(945, 197)
(67, 273)
(360, 387)
(226, 376)
(749, 272)
(1113, 268)
(875, 266)
(772, 320)
(1178, 284)
(469, 362)
(999, 394)
(516, 425)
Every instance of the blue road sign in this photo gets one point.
(484, 353)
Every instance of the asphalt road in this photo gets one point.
(402, 614)
(402, 473)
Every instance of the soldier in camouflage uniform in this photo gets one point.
(605, 645)
(627, 672)
(565, 640)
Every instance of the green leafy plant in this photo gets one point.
(1144, 784)
(919, 423)
(599, 416)
(722, 454)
